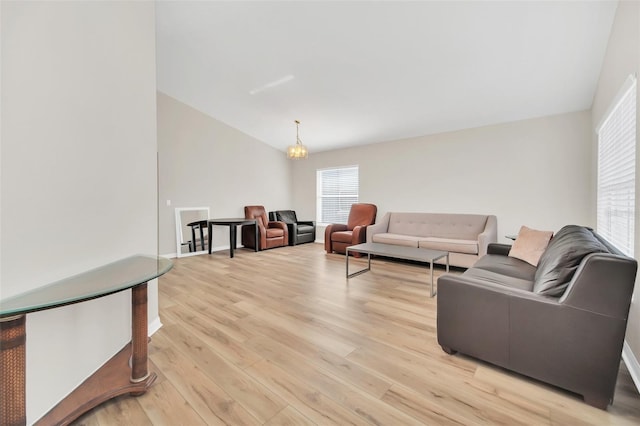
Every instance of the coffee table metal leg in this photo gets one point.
(347, 263)
(368, 268)
(432, 294)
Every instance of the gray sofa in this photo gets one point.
(562, 322)
(464, 236)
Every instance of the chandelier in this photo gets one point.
(298, 150)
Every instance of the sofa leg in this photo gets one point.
(449, 350)
(597, 401)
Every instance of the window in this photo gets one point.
(617, 170)
(337, 189)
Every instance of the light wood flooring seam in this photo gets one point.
(281, 337)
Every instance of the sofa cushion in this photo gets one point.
(397, 239)
(562, 257)
(484, 275)
(508, 266)
(275, 232)
(449, 244)
(305, 229)
(530, 244)
(342, 236)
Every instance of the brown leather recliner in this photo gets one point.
(271, 233)
(337, 236)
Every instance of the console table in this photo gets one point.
(115, 377)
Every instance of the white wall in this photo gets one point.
(205, 163)
(623, 58)
(533, 172)
(78, 167)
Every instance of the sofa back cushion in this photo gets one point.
(562, 257)
(457, 226)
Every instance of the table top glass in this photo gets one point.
(402, 252)
(98, 282)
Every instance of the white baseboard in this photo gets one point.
(632, 364)
(175, 255)
(154, 326)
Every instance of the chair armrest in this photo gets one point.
(489, 235)
(359, 234)
(498, 248)
(379, 227)
(277, 224)
(307, 222)
(330, 229)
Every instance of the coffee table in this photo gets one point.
(396, 252)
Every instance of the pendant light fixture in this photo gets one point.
(298, 150)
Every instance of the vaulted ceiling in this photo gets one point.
(359, 72)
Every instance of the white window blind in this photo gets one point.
(617, 171)
(337, 189)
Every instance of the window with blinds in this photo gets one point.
(336, 190)
(617, 170)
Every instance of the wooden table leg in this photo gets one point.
(114, 378)
(13, 406)
(139, 334)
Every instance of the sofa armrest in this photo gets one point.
(539, 336)
(473, 318)
(499, 248)
(603, 283)
(489, 235)
(381, 226)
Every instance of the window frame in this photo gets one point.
(616, 169)
(320, 220)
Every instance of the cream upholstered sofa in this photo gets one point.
(464, 236)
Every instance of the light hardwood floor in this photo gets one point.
(280, 337)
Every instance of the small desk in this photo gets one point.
(117, 377)
(398, 252)
(232, 223)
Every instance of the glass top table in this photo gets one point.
(125, 373)
(98, 282)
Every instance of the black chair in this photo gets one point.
(299, 231)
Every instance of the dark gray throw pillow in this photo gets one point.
(562, 257)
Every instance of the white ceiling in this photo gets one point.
(361, 72)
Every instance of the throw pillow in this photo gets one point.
(530, 244)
